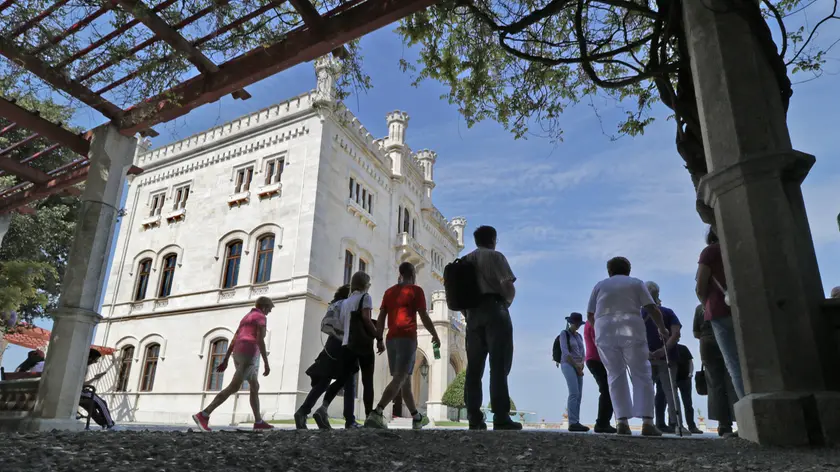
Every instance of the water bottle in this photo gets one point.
(436, 349)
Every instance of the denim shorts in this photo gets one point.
(402, 353)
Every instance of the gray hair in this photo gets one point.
(835, 292)
(653, 288)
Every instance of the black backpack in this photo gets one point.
(460, 280)
(556, 350)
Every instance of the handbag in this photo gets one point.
(361, 341)
(700, 381)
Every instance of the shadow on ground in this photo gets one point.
(372, 451)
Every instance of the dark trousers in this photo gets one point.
(722, 396)
(605, 408)
(97, 408)
(323, 386)
(489, 333)
(366, 368)
(684, 386)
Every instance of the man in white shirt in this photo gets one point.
(621, 338)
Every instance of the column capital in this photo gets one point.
(789, 166)
(80, 315)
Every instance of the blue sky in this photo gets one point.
(561, 209)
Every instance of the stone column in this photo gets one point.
(753, 185)
(5, 220)
(438, 368)
(111, 155)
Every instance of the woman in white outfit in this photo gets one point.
(620, 335)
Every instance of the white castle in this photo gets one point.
(286, 202)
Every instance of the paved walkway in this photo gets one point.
(400, 450)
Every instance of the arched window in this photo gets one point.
(406, 220)
(265, 253)
(150, 361)
(215, 380)
(167, 275)
(233, 255)
(126, 358)
(143, 271)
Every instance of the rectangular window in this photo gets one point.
(370, 204)
(362, 265)
(348, 266)
(274, 171)
(181, 196)
(243, 179)
(157, 204)
(357, 192)
(352, 186)
(399, 219)
(364, 199)
(414, 227)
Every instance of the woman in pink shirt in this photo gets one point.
(596, 367)
(247, 347)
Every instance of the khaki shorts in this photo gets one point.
(247, 366)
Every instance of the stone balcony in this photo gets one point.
(409, 250)
(355, 209)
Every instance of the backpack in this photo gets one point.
(331, 324)
(557, 351)
(460, 281)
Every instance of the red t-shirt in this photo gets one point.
(402, 303)
(246, 338)
(715, 305)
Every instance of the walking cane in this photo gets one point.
(673, 391)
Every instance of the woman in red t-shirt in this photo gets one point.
(711, 290)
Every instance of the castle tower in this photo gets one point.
(397, 124)
(395, 141)
(327, 70)
(458, 224)
(427, 159)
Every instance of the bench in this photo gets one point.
(18, 395)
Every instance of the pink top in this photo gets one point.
(246, 335)
(589, 339)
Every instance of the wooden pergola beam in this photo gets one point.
(61, 82)
(172, 37)
(312, 19)
(300, 45)
(23, 171)
(31, 121)
(43, 190)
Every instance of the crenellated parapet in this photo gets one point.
(248, 124)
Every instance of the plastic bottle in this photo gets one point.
(436, 349)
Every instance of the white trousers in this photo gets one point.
(627, 351)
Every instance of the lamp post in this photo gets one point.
(424, 369)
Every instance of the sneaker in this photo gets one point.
(201, 420)
(666, 429)
(623, 429)
(477, 422)
(695, 430)
(478, 426)
(578, 428)
(419, 421)
(650, 430)
(508, 425)
(352, 425)
(322, 419)
(263, 426)
(605, 429)
(375, 420)
(300, 420)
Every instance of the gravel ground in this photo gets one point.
(402, 451)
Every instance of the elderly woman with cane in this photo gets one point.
(621, 338)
